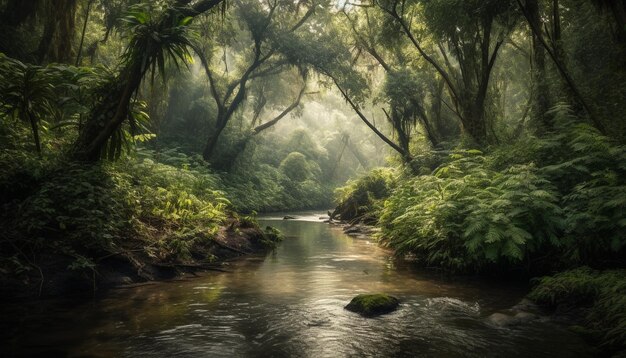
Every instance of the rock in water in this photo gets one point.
(288, 217)
(370, 305)
(504, 320)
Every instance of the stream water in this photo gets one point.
(290, 304)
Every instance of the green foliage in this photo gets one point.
(157, 33)
(295, 167)
(269, 189)
(20, 174)
(465, 217)
(362, 199)
(278, 173)
(556, 202)
(251, 187)
(84, 206)
(604, 292)
(590, 172)
(451, 19)
(88, 211)
(515, 215)
(272, 236)
(27, 94)
(177, 195)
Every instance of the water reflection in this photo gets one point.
(290, 304)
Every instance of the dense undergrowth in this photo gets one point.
(602, 294)
(84, 213)
(535, 207)
(538, 205)
(292, 185)
(362, 199)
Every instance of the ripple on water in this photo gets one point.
(291, 305)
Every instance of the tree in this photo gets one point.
(27, 94)
(56, 43)
(468, 36)
(328, 56)
(617, 11)
(555, 50)
(295, 167)
(540, 94)
(266, 24)
(156, 35)
(405, 91)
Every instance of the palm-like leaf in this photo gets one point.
(27, 94)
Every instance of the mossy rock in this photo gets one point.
(370, 305)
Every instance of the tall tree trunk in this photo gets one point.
(436, 107)
(107, 117)
(540, 90)
(474, 121)
(17, 12)
(82, 35)
(35, 129)
(559, 52)
(211, 144)
(562, 69)
(56, 43)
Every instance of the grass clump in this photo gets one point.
(272, 236)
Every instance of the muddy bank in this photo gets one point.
(133, 262)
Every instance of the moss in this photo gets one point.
(603, 293)
(370, 305)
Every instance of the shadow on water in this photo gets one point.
(290, 304)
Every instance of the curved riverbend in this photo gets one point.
(290, 304)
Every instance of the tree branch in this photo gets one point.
(291, 107)
(394, 13)
(393, 145)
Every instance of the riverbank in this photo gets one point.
(591, 303)
(133, 262)
(78, 228)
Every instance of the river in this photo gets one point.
(289, 303)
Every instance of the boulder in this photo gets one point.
(501, 320)
(370, 305)
(526, 305)
(288, 217)
(505, 320)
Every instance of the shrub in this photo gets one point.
(362, 199)
(86, 211)
(561, 203)
(466, 217)
(295, 167)
(604, 292)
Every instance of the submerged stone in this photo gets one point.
(370, 305)
(504, 320)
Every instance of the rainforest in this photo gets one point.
(313, 178)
